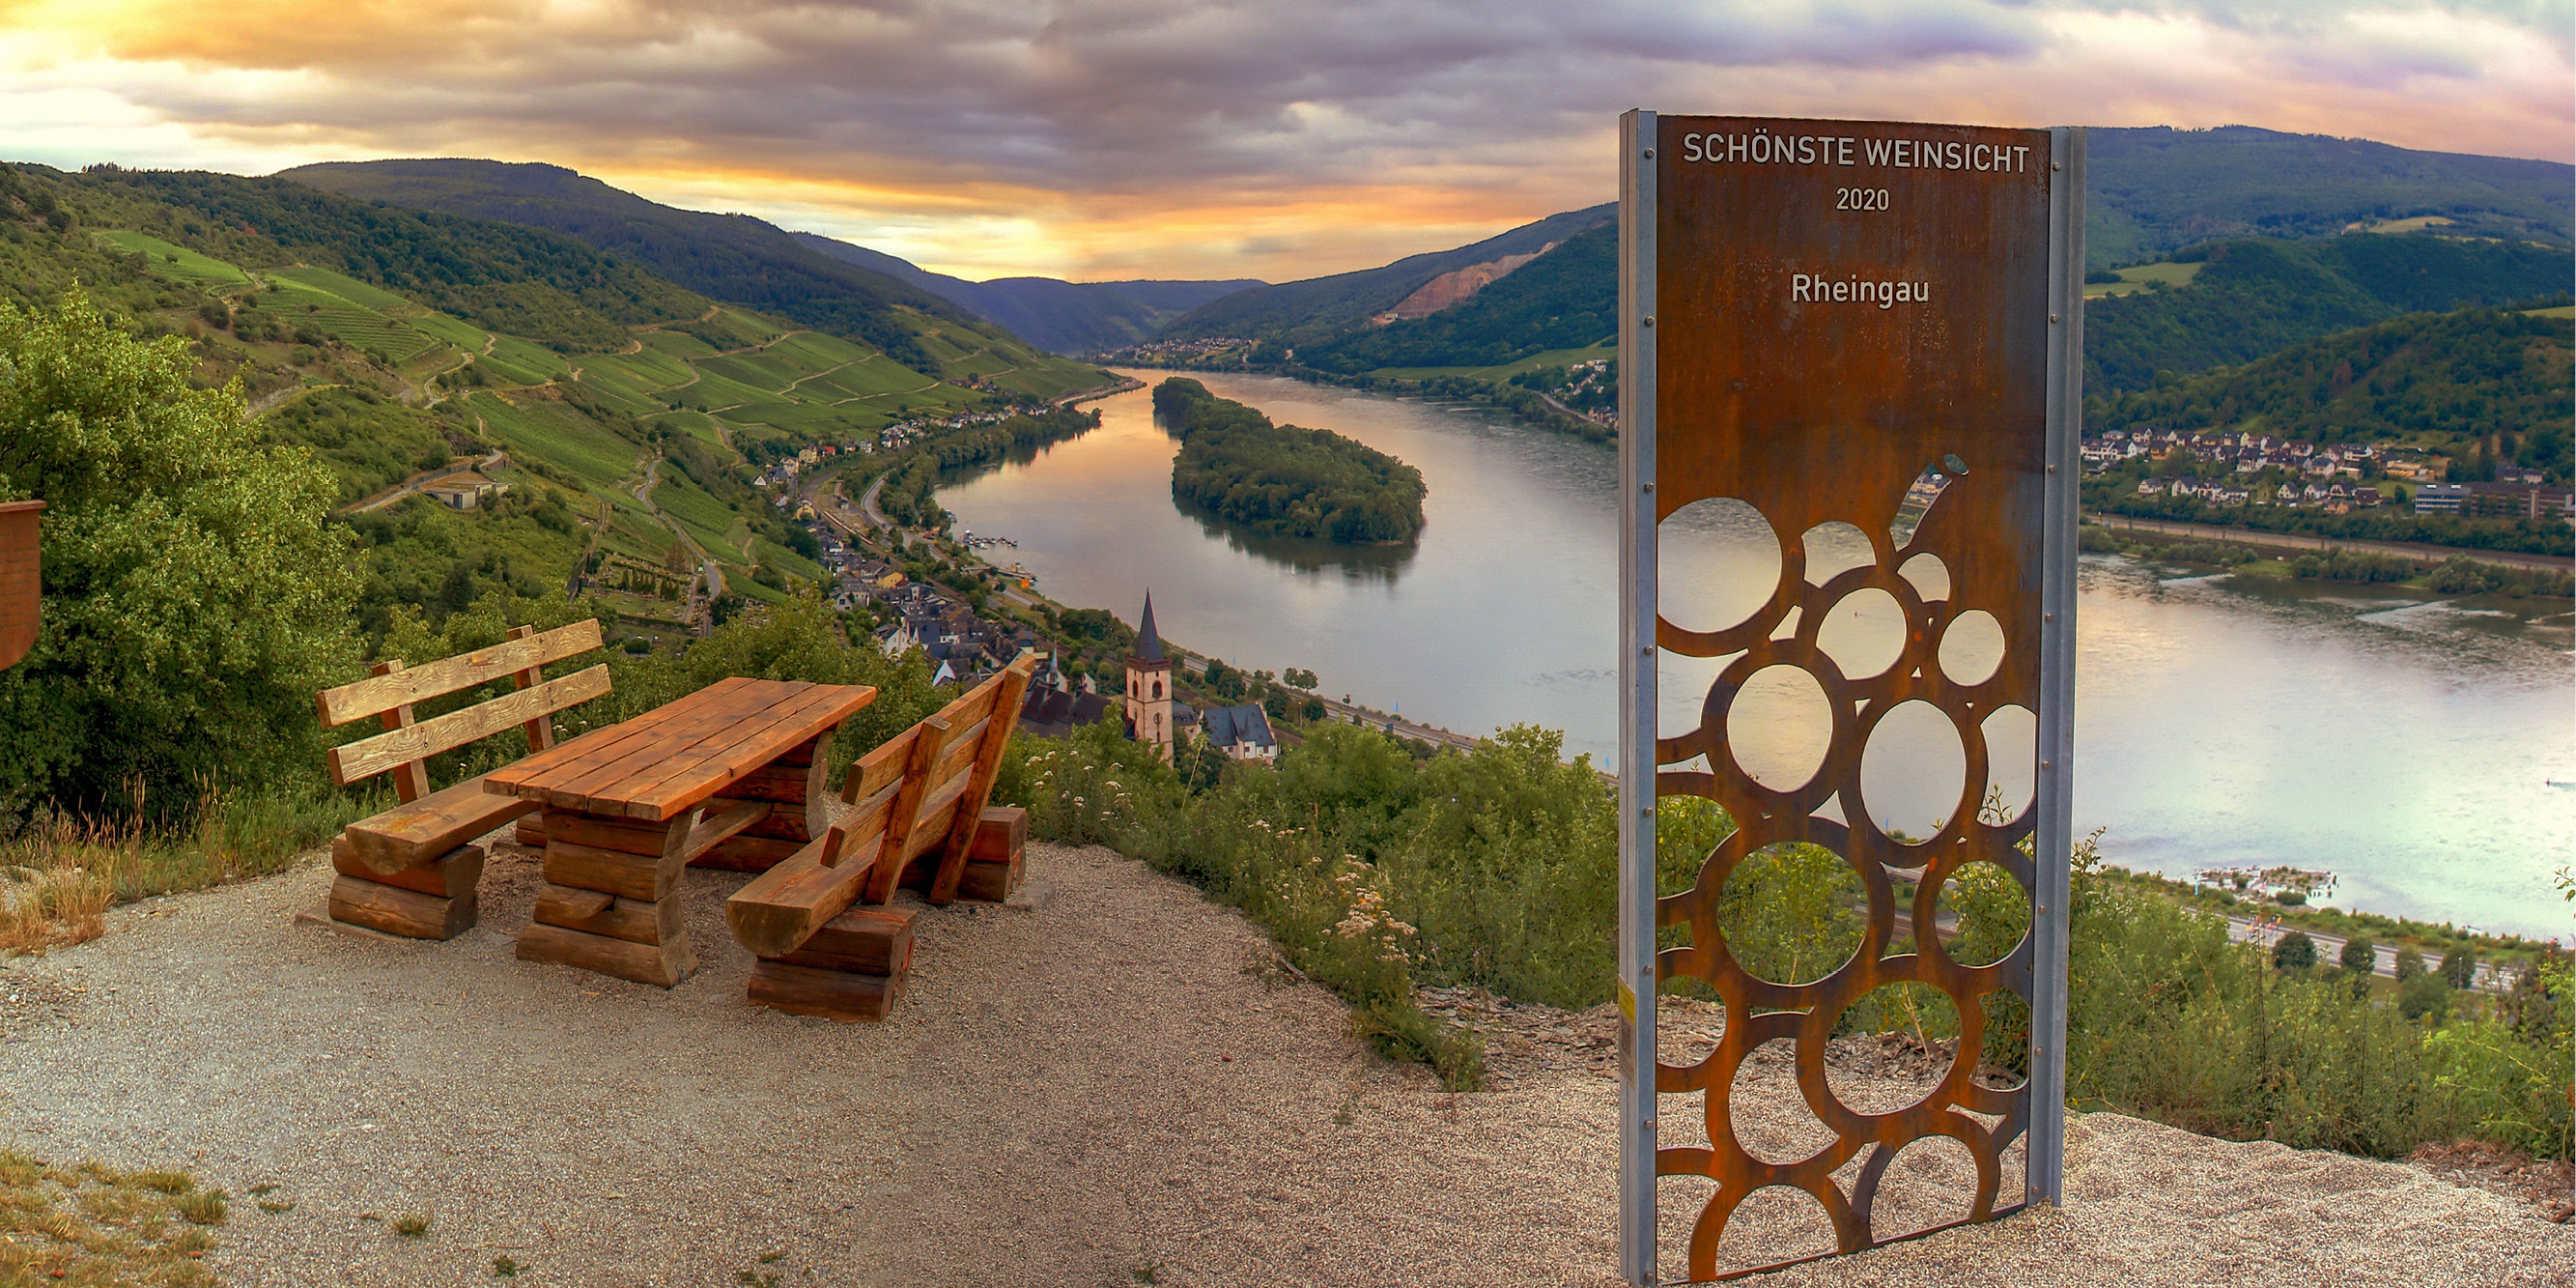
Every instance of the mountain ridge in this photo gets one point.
(1051, 313)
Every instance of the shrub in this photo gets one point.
(2410, 963)
(2459, 968)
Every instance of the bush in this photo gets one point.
(2295, 951)
(2410, 963)
(2459, 968)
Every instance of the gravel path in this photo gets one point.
(1119, 1086)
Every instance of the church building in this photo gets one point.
(1156, 715)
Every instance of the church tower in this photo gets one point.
(1149, 687)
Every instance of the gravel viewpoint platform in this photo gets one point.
(1117, 1086)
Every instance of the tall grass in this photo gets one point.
(63, 872)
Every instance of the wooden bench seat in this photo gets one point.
(411, 870)
(415, 832)
(920, 796)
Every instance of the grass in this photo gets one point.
(412, 1225)
(2561, 311)
(2133, 280)
(95, 1225)
(177, 261)
(65, 873)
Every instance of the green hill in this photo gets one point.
(733, 258)
(1281, 479)
(2477, 385)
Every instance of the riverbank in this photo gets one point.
(2301, 543)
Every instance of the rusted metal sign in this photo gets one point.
(21, 589)
(1873, 324)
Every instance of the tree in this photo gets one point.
(2459, 968)
(1299, 678)
(2410, 963)
(194, 597)
(2359, 959)
(2295, 951)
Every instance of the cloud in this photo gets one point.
(1117, 137)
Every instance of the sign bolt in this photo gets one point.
(1648, 321)
(1650, 154)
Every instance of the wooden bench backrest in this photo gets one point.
(926, 786)
(924, 789)
(389, 693)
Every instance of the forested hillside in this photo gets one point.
(2477, 384)
(2255, 296)
(1280, 479)
(2157, 190)
(733, 258)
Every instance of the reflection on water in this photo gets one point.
(2219, 720)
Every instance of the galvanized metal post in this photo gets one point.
(1637, 721)
(2054, 835)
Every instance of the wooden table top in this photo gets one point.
(669, 759)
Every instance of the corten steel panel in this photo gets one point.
(21, 589)
(1819, 411)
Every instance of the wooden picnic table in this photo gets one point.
(730, 776)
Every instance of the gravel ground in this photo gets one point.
(1117, 1086)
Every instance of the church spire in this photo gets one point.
(1149, 646)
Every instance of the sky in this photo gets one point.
(1108, 139)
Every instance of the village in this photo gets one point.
(2254, 469)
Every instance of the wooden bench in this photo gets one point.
(412, 869)
(918, 809)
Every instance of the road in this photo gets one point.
(2245, 930)
(711, 574)
(2302, 541)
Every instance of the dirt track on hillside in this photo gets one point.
(1117, 1086)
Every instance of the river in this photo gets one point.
(2405, 745)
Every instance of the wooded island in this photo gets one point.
(1282, 479)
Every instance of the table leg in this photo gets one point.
(794, 783)
(611, 902)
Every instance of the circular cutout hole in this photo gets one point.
(1864, 633)
(1773, 1224)
(1779, 727)
(1895, 1044)
(1930, 1183)
(1913, 771)
(2004, 1062)
(1982, 914)
(2012, 764)
(1972, 647)
(1930, 576)
(1687, 1028)
(1792, 913)
(1835, 548)
(1717, 562)
(1772, 1120)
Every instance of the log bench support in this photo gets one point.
(611, 902)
